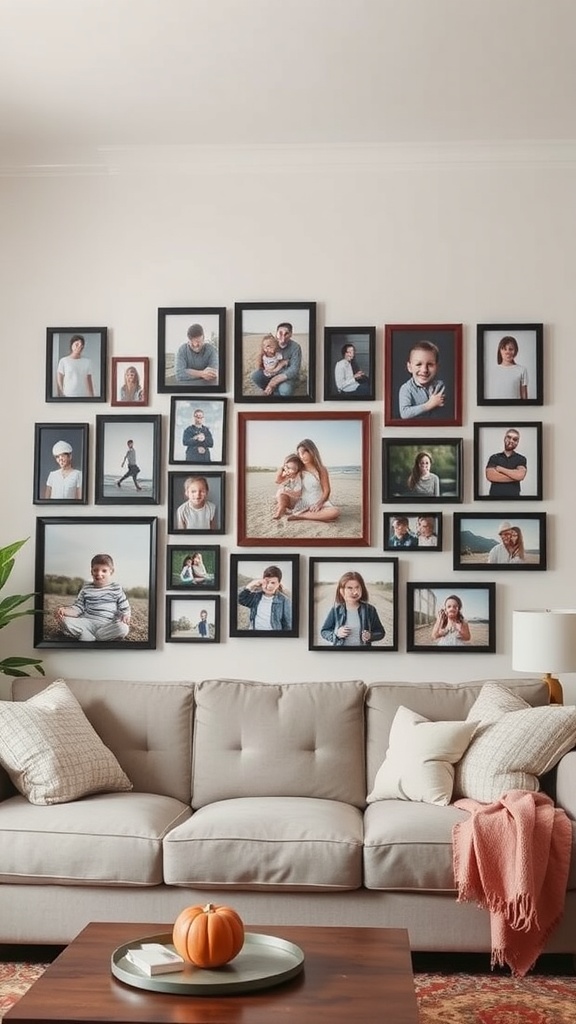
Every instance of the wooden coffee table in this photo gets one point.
(361, 974)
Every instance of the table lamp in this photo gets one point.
(545, 641)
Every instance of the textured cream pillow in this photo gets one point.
(420, 758)
(52, 753)
(514, 744)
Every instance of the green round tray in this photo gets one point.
(263, 961)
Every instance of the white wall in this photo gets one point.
(373, 237)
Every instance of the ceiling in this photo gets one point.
(77, 76)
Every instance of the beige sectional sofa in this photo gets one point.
(251, 794)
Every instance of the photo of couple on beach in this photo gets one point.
(303, 478)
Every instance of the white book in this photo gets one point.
(154, 958)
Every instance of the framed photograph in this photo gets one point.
(349, 364)
(129, 384)
(192, 350)
(128, 452)
(76, 364)
(509, 364)
(353, 604)
(427, 470)
(193, 620)
(60, 464)
(197, 431)
(264, 595)
(508, 461)
(502, 541)
(423, 375)
(193, 567)
(196, 502)
(95, 583)
(304, 478)
(405, 531)
(275, 351)
(443, 617)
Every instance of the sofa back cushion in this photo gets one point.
(147, 726)
(439, 702)
(278, 739)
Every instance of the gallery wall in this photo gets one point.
(476, 235)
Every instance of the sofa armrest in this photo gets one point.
(566, 784)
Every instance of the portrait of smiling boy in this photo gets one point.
(423, 375)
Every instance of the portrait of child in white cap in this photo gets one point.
(64, 483)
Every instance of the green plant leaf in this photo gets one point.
(14, 666)
(8, 606)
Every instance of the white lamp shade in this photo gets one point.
(544, 641)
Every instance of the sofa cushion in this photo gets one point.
(51, 752)
(107, 839)
(513, 745)
(278, 843)
(419, 763)
(445, 702)
(409, 845)
(285, 739)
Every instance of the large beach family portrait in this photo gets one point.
(303, 478)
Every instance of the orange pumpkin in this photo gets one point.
(208, 936)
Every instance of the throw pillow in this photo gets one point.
(513, 745)
(420, 758)
(493, 701)
(52, 753)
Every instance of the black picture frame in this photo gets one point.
(478, 604)
(357, 384)
(65, 547)
(185, 446)
(248, 568)
(50, 488)
(342, 440)
(184, 616)
(178, 481)
(88, 382)
(500, 385)
(411, 534)
(120, 438)
(255, 320)
(402, 399)
(174, 323)
(490, 441)
(181, 573)
(501, 542)
(136, 392)
(376, 581)
(401, 455)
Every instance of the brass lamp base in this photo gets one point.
(555, 687)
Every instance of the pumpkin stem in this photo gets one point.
(209, 908)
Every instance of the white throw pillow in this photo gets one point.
(52, 753)
(420, 758)
(514, 744)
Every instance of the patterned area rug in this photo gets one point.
(15, 979)
(495, 999)
(442, 998)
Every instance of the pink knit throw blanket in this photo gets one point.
(512, 858)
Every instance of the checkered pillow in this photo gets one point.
(52, 753)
